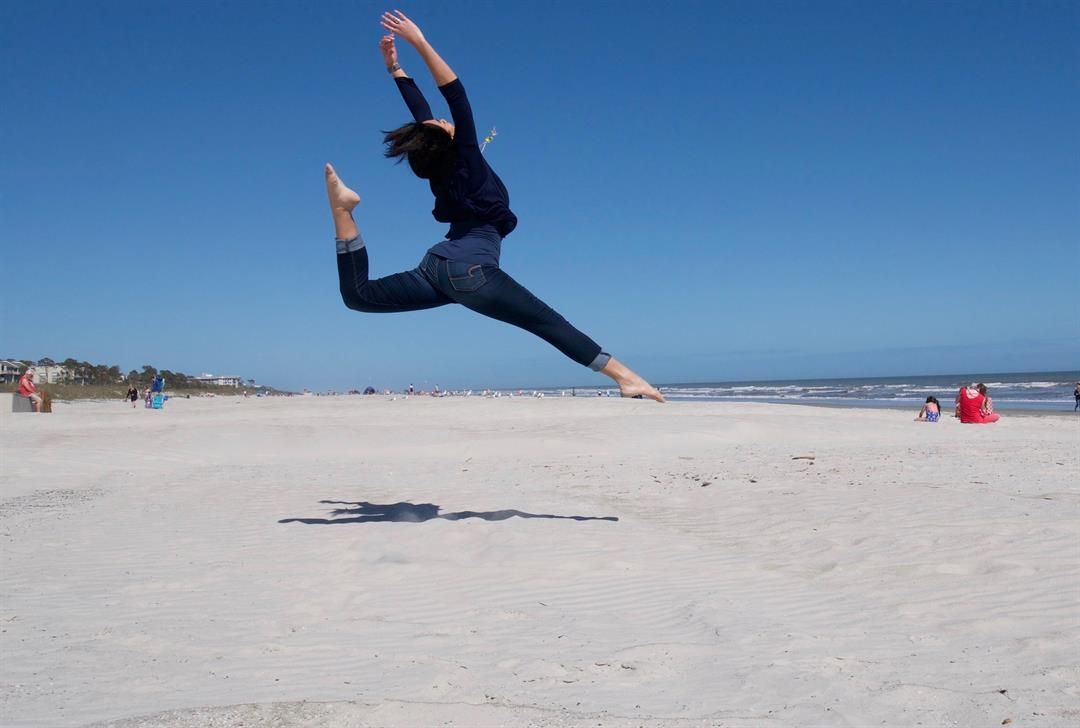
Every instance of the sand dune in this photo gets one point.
(517, 562)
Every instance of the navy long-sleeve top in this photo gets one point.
(471, 197)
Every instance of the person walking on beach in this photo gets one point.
(1076, 396)
(463, 268)
(132, 394)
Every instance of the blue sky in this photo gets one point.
(711, 190)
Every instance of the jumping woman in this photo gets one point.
(463, 268)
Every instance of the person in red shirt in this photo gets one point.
(27, 389)
(971, 403)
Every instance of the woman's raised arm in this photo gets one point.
(414, 99)
(445, 78)
(397, 23)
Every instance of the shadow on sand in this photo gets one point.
(364, 512)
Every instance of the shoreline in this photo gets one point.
(913, 407)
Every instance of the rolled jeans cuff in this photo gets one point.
(600, 361)
(349, 246)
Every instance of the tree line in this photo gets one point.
(83, 372)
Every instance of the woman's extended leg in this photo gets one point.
(407, 291)
(490, 291)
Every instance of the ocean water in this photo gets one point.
(1020, 391)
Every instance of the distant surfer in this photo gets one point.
(463, 268)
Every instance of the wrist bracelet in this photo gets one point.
(395, 67)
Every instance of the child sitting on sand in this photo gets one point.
(930, 411)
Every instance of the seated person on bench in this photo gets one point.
(29, 390)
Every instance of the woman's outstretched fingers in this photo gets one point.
(398, 22)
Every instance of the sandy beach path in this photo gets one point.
(362, 561)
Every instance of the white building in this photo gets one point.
(218, 381)
(10, 371)
(51, 374)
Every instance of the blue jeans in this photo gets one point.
(485, 289)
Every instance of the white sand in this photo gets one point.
(910, 574)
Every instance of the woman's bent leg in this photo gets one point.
(406, 291)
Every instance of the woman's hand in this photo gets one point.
(397, 24)
(388, 50)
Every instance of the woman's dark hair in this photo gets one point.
(982, 388)
(429, 149)
(933, 400)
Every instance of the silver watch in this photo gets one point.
(395, 67)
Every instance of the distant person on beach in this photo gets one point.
(1076, 396)
(931, 411)
(972, 403)
(132, 394)
(960, 395)
(987, 407)
(463, 268)
(28, 389)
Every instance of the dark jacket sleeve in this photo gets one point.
(415, 100)
(464, 126)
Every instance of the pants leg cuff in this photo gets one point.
(349, 246)
(600, 361)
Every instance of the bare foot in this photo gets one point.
(630, 384)
(639, 388)
(342, 199)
